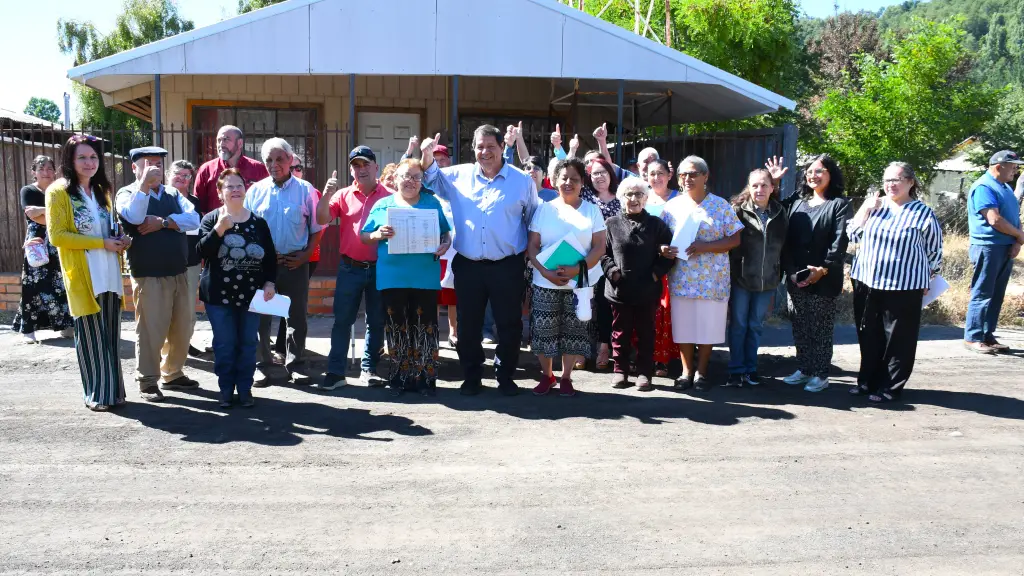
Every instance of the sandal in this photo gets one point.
(602, 359)
(660, 370)
(683, 382)
(701, 383)
(858, 390)
(580, 365)
(881, 398)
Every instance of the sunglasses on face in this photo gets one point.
(296, 168)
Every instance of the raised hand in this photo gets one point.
(775, 167)
(510, 136)
(601, 133)
(427, 146)
(556, 137)
(414, 144)
(332, 183)
(519, 131)
(574, 144)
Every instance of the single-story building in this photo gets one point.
(329, 73)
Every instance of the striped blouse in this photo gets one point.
(900, 247)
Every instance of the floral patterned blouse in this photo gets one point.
(608, 209)
(705, 276)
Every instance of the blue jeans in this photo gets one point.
(746, 320)
(352, 285)
(992, 268)
(234, 348)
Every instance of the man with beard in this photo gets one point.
(492, 205)
(230, 144)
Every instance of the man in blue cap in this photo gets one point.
(993, 215)
(156, 219)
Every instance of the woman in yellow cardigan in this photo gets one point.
(87, 237)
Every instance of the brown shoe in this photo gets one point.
(261, 381)
(979, 347)
(995, 345)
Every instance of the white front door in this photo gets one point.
(387, 134)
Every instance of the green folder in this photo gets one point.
(564, 255)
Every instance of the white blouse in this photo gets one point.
(104, 267)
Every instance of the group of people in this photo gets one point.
(674, 272)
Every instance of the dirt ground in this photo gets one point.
(770, 480)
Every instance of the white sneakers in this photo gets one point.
(810, 384)
(816, 384)
(796, 378)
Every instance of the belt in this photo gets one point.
(357, 263)
(486, 261)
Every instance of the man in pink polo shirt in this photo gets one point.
(230, 143)
(357, 271)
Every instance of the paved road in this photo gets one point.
(753, 481)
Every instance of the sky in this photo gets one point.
(31, 29)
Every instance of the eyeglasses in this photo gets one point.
(416, 178)
(817, 171)
(185, 176)
(692, 175)
(296, 168)
(893, 181)
(634, 194)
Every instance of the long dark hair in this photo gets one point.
(613, 181)
(99, 183)
(836, 184)
(743, 196)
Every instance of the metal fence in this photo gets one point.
(730, 157)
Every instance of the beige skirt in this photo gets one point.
(698, 321)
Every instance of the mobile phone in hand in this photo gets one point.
(800, 276)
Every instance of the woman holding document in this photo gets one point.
(704, 228)
(239, 259)
(567, 239)
(900, 253)
(409, 245)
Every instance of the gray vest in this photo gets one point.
(157, 254)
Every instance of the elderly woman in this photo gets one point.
(756, 269)
(900, 252)
(79, 208)
(659, 174)
(699, 280)
(240, 258)
(409, 285)
(633, 269)
(181, 174)
(556, 329)
(44, 303)
(599, 186)
(813, 260)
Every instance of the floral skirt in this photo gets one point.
(44, 301)
(411, 332)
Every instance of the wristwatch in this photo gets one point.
(163, 222)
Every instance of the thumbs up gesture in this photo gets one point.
(427, 151)
(510, 136)
(332, 184)
(556, 136)
(601, 133)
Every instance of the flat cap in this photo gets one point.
(137, 153)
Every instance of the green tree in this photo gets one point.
(914, 108)
(250, 5)
(1006, 130)
(43, 108)
(140, 22)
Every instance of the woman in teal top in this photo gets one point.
(409, 285)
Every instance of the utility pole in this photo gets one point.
(668, 23)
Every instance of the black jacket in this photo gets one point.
(817, 239)
(756, 264)
(633, 249)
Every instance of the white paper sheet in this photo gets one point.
(277, 306)
(417, 231)
(936, 288)
(686, 230)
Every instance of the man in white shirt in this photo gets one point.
(156, 219)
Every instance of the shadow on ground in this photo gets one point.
(197, 418)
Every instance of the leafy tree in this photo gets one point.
(43, 108)
(140, 22)
(1006, 130)
(250, 5)
(914, 108)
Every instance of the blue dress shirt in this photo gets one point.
(132, 204)
(491, 216)
(290, 211)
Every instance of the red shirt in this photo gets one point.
(206, 180)
(315, 257)
(351, 207)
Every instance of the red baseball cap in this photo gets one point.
(442, 149)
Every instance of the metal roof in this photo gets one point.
(506, 38)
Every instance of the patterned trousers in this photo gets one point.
(411, 331)
(814, 318)
(97, 337)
